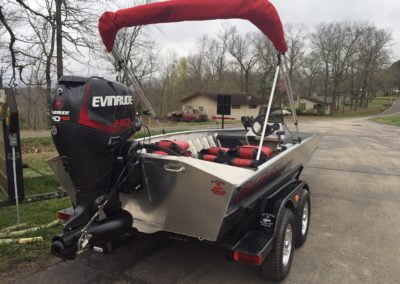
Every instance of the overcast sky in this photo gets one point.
(383, 13)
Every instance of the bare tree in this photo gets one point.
(137, 52)
(373, 55)
(241, 49)
(266, 61)
(295, 36)
(310, 70)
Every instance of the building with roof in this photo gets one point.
(312, 105)
(242, 104)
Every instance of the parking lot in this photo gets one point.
(354, 238)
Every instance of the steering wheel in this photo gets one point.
(258, 125)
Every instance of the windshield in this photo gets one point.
(276, 111)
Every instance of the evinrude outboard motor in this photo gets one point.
(92, 119)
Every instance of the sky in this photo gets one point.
(182, 37)
(382, 13)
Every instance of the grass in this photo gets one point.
(391, 120)
(376, 106)
(39, 185)
(13, 256)
(37, 145)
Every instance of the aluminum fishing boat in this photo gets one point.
(239, 188)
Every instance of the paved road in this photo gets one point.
(354, 236)
(394, 109)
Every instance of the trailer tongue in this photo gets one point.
(238, 188)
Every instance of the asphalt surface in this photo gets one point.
(354, 178)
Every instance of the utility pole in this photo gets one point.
(60, 66)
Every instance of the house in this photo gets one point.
(312, 105)
(242, 104)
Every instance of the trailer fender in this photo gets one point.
(272, 208)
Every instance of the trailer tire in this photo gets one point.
(302, 219)
(277, 264)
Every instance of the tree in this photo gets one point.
(242, 50)
(266, 56)
(373, 55)
(295, 37)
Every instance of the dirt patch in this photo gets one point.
(37, 145)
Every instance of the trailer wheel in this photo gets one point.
(302, 218)
(277, 264)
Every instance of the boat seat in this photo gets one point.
(250, 152)
(198, 144)
(214, 151)
(242, 156)
(178, 147)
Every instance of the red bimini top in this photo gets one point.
(260, 12)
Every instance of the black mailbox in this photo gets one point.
(11, 173)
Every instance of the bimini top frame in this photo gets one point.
(259, 12)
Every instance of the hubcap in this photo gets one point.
(304, 220)
(287, 245)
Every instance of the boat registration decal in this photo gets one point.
(218, 187)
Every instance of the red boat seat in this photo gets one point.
(208, 157)
(214, 154)
(215, 151)
(162, 153)
(244, 163)
(250, 152)
(179, 147)
(242, 156)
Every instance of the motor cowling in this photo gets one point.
(91, 120)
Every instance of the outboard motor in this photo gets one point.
(92, 118)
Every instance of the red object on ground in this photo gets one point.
(220, 118)
(65, 214)
(260, 12)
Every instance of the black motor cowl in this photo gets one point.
(91, 117)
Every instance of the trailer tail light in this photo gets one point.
(65, 214)
(250, 258)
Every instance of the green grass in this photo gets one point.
(38, 162)
(15, 255)
(391, 120)
(39, 185)
(378, 105)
